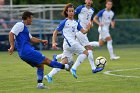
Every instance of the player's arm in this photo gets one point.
(11, 41)
(54, 37)
(96, 20)
(84, 31)
(113, 22)
(36, 40)
(91, 20)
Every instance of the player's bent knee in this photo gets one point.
(64, 60)
(40, 66)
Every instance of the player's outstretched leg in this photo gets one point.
(79, 60)
(54, 71)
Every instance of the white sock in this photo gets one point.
(94, 43)
(53, 72)
(79, 60)
(110, 48)
(91, 59)
(59, 56)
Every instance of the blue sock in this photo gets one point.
(40, 74)
(56, 64)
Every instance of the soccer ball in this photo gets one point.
(100, 61)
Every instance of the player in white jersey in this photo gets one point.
(85, 17)
(104, 18)
(68, 28)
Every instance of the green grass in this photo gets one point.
(18, 77)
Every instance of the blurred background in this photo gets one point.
(48, 15)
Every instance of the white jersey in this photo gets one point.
(85, 15)
(106, 17)
(68, 28)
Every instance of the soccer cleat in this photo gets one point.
(48, 78)
(54, 57)
(98, 69)
(70, 65)
(114, 57)
(73, 71)
(41, 86)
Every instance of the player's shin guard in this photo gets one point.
(91, 59)
(40, 74)
(53, 72)
(110, 48)
(79, 60)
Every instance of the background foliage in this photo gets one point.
(122, 8)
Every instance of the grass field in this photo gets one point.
(18, 77)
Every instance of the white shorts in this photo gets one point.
(69, 51)
(103, 33)
(82, 38)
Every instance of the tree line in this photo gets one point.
(122, 8)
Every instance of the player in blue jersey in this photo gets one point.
(69, 27)
(104, 18)
(20, 38)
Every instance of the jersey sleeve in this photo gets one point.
(100, 13)
(30, 36)
(17, 28)
(79, 27)
(61, 25)
(78, 9)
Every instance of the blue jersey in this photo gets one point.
(22, 38)
(22, 44)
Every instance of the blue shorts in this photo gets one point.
(33, 58)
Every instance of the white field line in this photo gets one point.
(110, 73)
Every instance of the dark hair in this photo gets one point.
(69, 5)
(26, 14)
(109, 1)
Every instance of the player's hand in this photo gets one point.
(45, 42)
(11, 50)
(112, 26)
(88, 26)
(54, 45)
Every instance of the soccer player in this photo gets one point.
(26, 52)
(85, 18)
(69, 28)
(104, 18)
